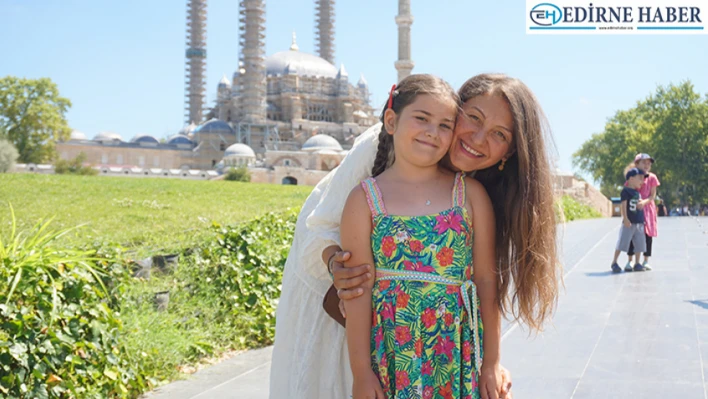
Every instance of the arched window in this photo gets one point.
(289, 180)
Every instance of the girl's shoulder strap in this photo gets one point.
(458, 190)
(373, 197)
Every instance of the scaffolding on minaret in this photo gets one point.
(252, 27)
(404, 20)
(324, 22)
(195, 82)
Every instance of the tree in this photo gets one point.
(32, 117)
(672, 126)
(8, 156)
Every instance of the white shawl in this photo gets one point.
(310, 358)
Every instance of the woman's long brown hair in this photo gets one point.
(523, 201)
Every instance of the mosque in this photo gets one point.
(290, 117)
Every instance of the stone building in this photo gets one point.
(317, 157)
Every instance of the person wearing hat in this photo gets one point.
(647, 204)
(632, 230)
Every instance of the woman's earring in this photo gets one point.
(501, 166)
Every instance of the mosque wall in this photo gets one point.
(143, 157)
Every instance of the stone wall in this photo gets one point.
(287, 175)
(189, 174)
(582, 192)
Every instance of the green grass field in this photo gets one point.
(149, 217)
(145, 214)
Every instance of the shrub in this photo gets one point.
(574, 210)
(244, 267)
(59, 333)
(238, 174)
(74, 166)
(8, 156)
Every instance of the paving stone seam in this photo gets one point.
(607, 321)
(565, 276)
(695, 321)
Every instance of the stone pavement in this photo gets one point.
(633, 335)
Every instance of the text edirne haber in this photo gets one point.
(627, 14)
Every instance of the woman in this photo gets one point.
(310, 356)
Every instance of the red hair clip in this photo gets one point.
(390, 97)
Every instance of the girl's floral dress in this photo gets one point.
(426, 335)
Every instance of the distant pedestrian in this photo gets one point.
(661, 209)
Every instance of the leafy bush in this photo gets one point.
(8, 156)
(59, 332)
(574, 210)
(244, 267)
(238, 174)
(74, 166)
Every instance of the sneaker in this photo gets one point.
(639, 267)
(628, 267)
(646, 265)
(616, 268)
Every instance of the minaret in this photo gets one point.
(324, 21)
(196, 60)
(404, 20)
(253, 80)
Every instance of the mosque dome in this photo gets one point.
(77, 135)
(239, 150)
(321, 142)
(107, 136)
(291, 61)
(179, 139)
(144, 138)
(214, 126)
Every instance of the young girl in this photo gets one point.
(648, 193)
(414, 221)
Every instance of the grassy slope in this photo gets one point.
(148, 214)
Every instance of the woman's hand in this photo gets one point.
(490, 381)
(367, 386)
(348, 280)
(505, 384)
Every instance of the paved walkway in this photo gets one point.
(634, 335)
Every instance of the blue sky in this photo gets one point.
(121, 63)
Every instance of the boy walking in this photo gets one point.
(632, 229)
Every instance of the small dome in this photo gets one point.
(107, 136)
(214, 126)
(239, 150)
(224, 82)
(144, 138)
(321, 142)
(179, 139)
(187, 129)
(77, 135)
(303, 64)
(362, 81)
